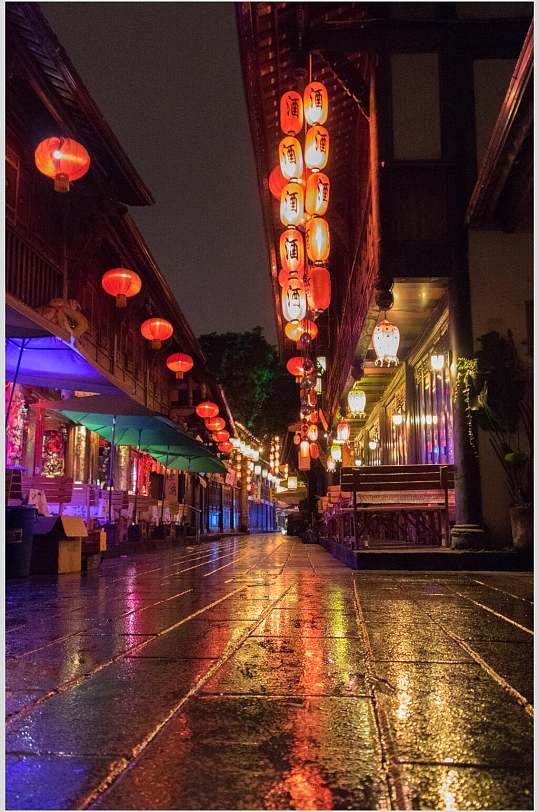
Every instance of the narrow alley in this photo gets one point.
(257, 672)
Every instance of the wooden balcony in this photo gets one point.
(30, 276)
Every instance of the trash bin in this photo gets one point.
(19, 534)
(57, 545)
(134, 533)
(112, 535)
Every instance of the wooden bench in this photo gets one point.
(144, 503)
(408, 503)
(57, 490)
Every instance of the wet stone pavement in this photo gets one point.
(259, 673)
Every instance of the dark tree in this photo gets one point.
(261, 393)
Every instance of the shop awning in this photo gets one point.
(49, 361)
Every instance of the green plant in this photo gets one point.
(504, 411)
(466, 377)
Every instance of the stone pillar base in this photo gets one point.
(468, 537)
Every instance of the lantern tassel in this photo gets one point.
(61, 183)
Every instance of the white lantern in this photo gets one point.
(373, 445)
(258, 470)
(317, 194)
(294, 300)
(336, 452)
(397, 419)
(358, 462)
(290, 158)
(437, 362)
(292, 483)
(292, 205)
(385, 339)
(315, 103)
(330, 465)
(356, 402)
(316, 147)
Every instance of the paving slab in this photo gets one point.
(178, 702)
(313, 753)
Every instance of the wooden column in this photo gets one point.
(221, 508)
(458, 116)
(243, 512)
(411, 414)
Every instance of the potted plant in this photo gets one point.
(504, 410)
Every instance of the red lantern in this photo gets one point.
(214, 423)
(315, 103)
(291, 251)
(301, 331)
(220, 436)
(285, 277)
(319, 288)
(293, 330)
(299, 366)
(207, 409)
(294, 300)
(291, 110)
(291, 211)
(179, 363)
(122, 283)
(317, 239)
(156, 331)
(317, 194)
(63, 159)
(225, 448)
(313, 450)
(277, 182)
(343, 432)
(309, 332)
(297, 438)
(316, 147)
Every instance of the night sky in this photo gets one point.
(167, 78)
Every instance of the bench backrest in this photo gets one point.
(398, 478)
(57, 490)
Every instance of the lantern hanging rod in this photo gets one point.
(347, 76)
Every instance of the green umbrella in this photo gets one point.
(200, 460)
(122, 421)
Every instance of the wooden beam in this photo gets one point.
(350, 81)
(508, 163)
(480, 38)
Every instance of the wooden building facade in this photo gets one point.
(414, 93)
(57, 248)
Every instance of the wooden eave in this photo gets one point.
(504, 183)
(270, 39)
(59, 87)
(478, 38)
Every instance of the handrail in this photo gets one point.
(30, 275)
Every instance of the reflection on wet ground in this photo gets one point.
(258, 673)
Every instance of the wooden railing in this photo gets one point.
(30, 277)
